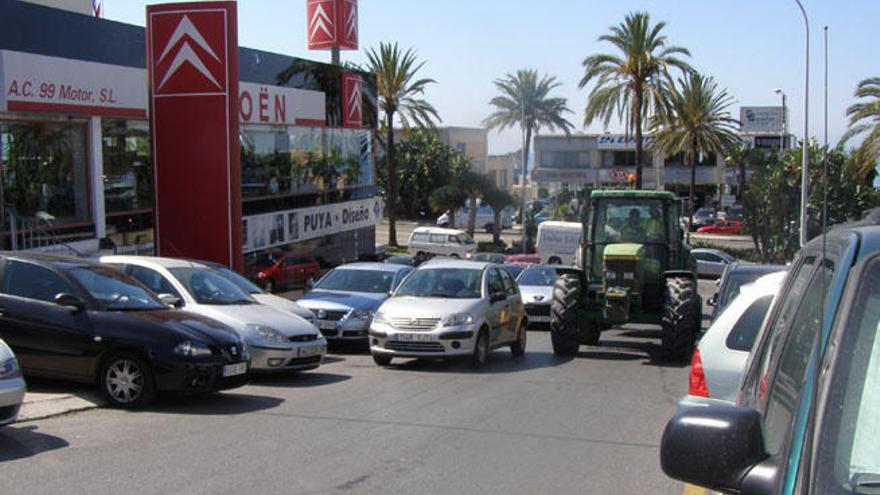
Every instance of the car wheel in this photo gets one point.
(382, 359)
(481, 350)
(127, 381)
(269, 286)
(555, 260)
(518, 347)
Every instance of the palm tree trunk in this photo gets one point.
(522, 181)
(496, 227)
(391, 198)
(742, 178)
(637, 123)
(472, 213)
(693, 160)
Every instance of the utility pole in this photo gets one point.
(522, 179)
(805, 145)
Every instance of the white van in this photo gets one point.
(484, 219)
(558, 242)
(441, 242)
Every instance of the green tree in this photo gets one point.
(696, 123)
(740, 155)
(498, 200)
(473, 185)
(864, 116)
(525, 101)
(628, 84)
(447, 198)
(399, 93)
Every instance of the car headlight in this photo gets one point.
(457, 320)
(308, 317)
(378, 317)
(610, 274)
(629, 276)
(9, 369)
(361, 314)
(268, 334)
(190, 348)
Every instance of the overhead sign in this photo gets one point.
(284, 227)
(332, 24)
(264, 104)
(618, 175)
(37, 83)
(571, 176)
(761, 119)
(620, 142)
(192, 63)
(352, 100)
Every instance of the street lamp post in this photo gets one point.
(522, 177)
(805, 145)
(779, 91)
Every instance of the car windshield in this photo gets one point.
(537, 275)
(208, 287)
(356, 280)
(114, 290)
(455, 283)
(849, 450)
(629, 220)
(242, 283)
(513, 270)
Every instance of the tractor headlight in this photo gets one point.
(610, 275)
(629, 276)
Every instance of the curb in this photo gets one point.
(56, 405)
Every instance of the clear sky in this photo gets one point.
(750, 46)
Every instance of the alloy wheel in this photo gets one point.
(125, 381)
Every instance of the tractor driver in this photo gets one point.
(654, 228)
(633, 230)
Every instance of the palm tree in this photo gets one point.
(697, 123)
(864, 116)
(398, 92)
(447, 198)
(525, 101)
(739, 155)
(629, 84)
(473, 185)
(498, 199)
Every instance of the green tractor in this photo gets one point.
(633, 267)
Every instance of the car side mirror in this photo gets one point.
(310, 284)
(714, 447)
(712, 300)
(71, 301)
(171, 300)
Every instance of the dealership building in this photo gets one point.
(608, 160)
(75, 143)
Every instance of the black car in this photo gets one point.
(77, 320)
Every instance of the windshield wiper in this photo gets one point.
(866, 483)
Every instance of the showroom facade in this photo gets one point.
(75, 143)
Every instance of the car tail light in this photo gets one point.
(697, 379)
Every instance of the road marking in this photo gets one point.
(693, 490)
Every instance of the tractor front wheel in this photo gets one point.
(679, 320)
(563, 315)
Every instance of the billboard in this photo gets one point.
(761, 119)
(192, 66)
(621, 142)
(332, 24)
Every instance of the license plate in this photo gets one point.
(310, 351)
(235, 369)
(414, 337)
(327, 325)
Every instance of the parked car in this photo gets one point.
(433, 241)
(558, 242)
(401, 259)
(262, 297)
(808, 406)
(12, 386)
(728, 227)
(736, 275)
(484, 219)
(720, 356)
(278, 340)
(345, 299)
(523, 259)
(489, 257)
(281, 269)
(448, 309)
(73, 319)
(536, 287)
(711, 262)
(735, 212)
(703, 217)
(542, 217)
(514, 269)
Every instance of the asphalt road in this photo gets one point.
(538, 424)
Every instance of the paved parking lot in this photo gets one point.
(591, 424)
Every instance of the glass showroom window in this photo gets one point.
(128, 170)
(44, 172)
(279, 161)
(349, 158)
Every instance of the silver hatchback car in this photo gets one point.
(450, 308)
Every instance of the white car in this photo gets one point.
(536, 286)
(277, 340)
(450, 308)
(12, 386)
(720, 357)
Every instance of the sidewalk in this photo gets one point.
(50, 400)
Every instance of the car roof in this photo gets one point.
(740, 267)
(438, 230)
(155, 260)
(49, 259)
(454, 263)
(373, 265)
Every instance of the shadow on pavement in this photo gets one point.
(53, 386)
(361, 348)
(26, 441)
(298, 380)
(218, 404)
(500, 361)
(626, 350)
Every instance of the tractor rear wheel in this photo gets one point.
(563, 315)
(679, 320)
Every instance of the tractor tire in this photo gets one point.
(563, 315)
(591, 335)
(679, 320)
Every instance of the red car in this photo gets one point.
(282, 269)
(523, 259)
(722, 227)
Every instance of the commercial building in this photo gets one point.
(472, 142)
(75, 146)
(502, 169)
